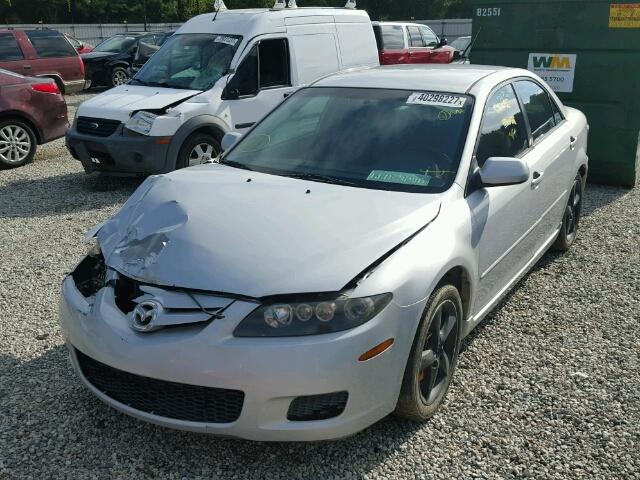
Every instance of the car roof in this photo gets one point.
(254, 21)
(440, 78)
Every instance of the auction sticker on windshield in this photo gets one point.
(228, 40)
(399, 177)
(436, 99)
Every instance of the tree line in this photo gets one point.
(139, 11)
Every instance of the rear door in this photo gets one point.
(392, 44)
(54, 55)
(418, 51)
(551, 158)
(12, 56)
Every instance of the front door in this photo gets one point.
(502, 216)
(262, 81)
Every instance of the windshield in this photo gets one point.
(116, 44)
(460, 43)
(191, 60)
(383, 139)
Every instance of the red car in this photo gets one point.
(42, 53)
(400, 42)
(32, 112)
(80, 46)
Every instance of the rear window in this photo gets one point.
(50, 44)
(389, 37)
(9, 48)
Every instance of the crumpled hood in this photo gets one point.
(119, 102)
(209, 228)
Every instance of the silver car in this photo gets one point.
(322, 273)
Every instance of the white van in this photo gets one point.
(219, 72)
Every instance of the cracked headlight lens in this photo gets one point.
(311, 317)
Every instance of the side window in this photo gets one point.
(430, 38)
(415, 39)
(537, 106)
(50, 44)
(245, 80)
(392, 37)
(557, 114)
(502, 132)
(9, 48)
(273, 57)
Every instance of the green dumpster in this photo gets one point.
(589, 53)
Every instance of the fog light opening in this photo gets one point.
(375, 351)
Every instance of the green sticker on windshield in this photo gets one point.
(399, 177)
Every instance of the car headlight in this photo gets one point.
(313, 317)
(141, 122)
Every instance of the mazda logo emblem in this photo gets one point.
(94, 125)
(144, 316)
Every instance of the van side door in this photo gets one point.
(261, 81)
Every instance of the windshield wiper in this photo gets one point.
(319, 178)
(231, 163)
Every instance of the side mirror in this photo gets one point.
(229, 140)
(500, 171)
(443, 42)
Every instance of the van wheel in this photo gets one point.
(433, 357)
(17, 143)
(119, 76)
(198, 148)
(571, 217)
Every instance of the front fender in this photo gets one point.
(211, 122)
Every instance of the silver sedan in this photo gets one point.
(323, 271)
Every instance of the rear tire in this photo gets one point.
(119, 76)
(571, 217)
(18, 143)
(197, 149)
(433, 357)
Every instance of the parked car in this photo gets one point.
(462, 46)
(212, 77)
(32, 112)
(42, 53)
(80, 46)
(323, 273)
(110, 62)
(401, 42)
(146, 48)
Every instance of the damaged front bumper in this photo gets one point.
(119, 153)
(252, 383)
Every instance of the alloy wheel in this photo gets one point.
(438, 352)
(15, 144)
(119, 77)
(572, 213)
(201, 153)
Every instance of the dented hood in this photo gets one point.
(119, 102)
(210, 228)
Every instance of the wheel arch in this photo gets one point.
(209, 124)
(460, 278)
(16, 115)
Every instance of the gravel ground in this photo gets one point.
(547, 387)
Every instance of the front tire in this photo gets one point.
(571, 217)
(119, 76)
(197, 149)
(17, 143)
(434, 356)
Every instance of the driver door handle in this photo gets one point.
(537, 178)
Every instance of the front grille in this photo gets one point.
(167, 399)
(317, 407)
(101, 127)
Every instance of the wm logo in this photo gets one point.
(553, 61)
